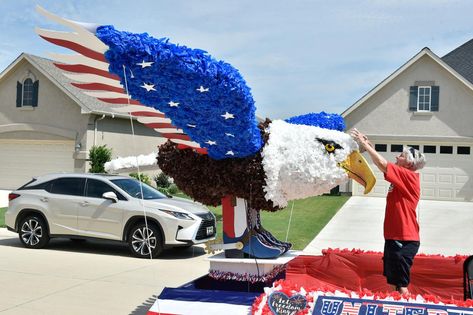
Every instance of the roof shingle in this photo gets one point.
(461, 60)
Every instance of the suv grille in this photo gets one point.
(207, 221)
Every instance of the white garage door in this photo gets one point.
(20, 160)
(446, 176)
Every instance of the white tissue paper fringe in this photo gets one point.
(298, 166)
(131, 162)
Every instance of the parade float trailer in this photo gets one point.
(338, 282)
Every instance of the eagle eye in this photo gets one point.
(329, 145)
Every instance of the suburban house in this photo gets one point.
(428, 104)
(47, 125)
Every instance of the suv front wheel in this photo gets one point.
(145, 241)
(33, 232)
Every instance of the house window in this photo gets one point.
(424, 98)
(381, 147)
(396, 147)
(27, 92)
(446, 149)
(463, 150)
(415, 146)
(430, 149)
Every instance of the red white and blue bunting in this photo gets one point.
(286, 297)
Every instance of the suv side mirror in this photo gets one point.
(110, 195)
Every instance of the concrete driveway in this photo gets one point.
(88, 278)
(445, 227)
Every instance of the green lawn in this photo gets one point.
(2, 216)
(309, 217)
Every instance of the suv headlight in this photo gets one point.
(179, 215)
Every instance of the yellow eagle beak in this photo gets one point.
(358, 169)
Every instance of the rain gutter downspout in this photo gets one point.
(95, 127)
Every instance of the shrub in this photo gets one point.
(141, 177)
(172, 189)
(98, 156)
(162, 180)
(163, 190)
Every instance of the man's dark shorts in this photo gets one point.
(398, 258)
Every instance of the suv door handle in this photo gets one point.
(44, 199)
(84, 203)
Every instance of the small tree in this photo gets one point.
(98, 156)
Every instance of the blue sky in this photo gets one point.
(297, 56)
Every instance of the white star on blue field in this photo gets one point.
(297, 56)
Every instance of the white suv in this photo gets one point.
(106, 207)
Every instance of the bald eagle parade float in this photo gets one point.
(218, 153)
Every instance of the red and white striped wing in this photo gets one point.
(89, 71)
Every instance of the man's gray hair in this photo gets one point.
(414, 157)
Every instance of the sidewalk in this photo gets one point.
(445, 227)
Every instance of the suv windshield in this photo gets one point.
(132, 187)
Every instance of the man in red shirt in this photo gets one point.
(401, 229)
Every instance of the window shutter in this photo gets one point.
(434, 106)
(413, 98)
(19, 93)
(35, 93)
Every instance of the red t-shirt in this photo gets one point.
(400, 220)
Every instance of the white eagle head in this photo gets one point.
(302, 161)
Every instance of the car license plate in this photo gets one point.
(210, 230)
